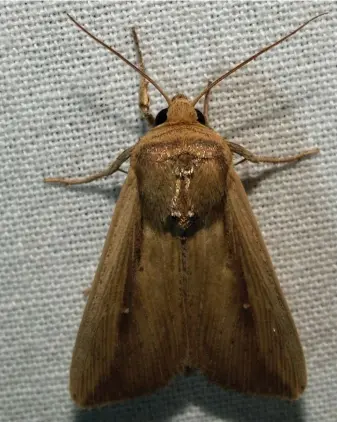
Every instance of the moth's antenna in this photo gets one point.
(209, 87)
(113, 51)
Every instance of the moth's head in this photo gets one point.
(180, 110)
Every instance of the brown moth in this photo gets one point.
(185, 279)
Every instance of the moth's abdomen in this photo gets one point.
(181, 184)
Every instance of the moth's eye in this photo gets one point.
(201, 117)
(161, 117)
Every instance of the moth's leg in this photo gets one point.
(144, 99)
(249, 156)
(206, 104)
(112, 168)
(240, 161)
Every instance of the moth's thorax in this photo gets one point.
(181, 179)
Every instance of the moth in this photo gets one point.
(185, 279)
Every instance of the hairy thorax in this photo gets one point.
(181, 181)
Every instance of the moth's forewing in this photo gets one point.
(151, 344)
(247, 337)
(96, 341)
(131, 340)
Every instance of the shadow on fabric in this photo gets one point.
(203, 400)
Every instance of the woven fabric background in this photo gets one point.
(68, 108)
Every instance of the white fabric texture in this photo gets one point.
(68, 108)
